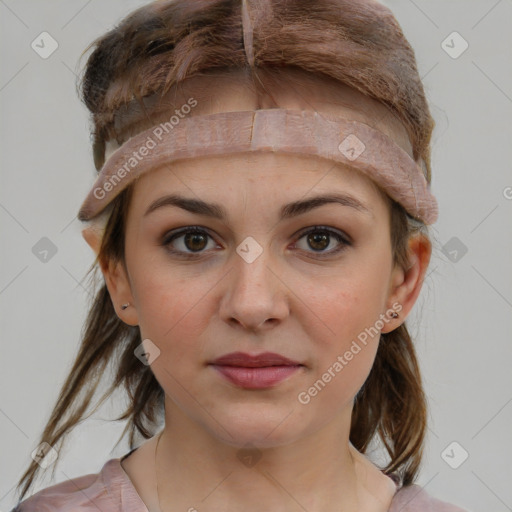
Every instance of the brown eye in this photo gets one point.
(319, 239)
(195, 241)
(190, 241)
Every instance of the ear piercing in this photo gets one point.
(124, 306)
(394, 315)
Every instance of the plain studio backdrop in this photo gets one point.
(462, 322)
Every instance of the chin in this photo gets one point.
(259, 427)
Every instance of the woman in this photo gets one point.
(260, 221)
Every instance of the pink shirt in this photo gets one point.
(111, 490)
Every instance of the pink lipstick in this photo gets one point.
(255, 372)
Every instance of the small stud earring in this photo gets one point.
(124, 306)
(395, 315)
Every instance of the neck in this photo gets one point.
(197, 471)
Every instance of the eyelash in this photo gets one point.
(173, 235)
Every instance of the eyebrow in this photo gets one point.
(288, 211)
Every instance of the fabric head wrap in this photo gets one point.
(352, 143)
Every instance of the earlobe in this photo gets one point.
(407, 282)
(119, 288)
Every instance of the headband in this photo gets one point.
(352, 143)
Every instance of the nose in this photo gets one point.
(255, 297)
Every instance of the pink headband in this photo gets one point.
(352, 143)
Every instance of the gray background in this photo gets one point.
(462, 322)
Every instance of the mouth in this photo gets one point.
(255, 372)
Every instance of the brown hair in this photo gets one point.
(358, 43)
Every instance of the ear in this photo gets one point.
(92, 236)
(116, 279)
(406, 283)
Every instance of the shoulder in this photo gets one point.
(414, 498)
(106, 490)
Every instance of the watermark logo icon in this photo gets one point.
(147, 352)
(44, 45)
(454, 455)
(454, 45)
(352, 147)
(44, 250)
(45, 455)
(454, 249)
(249, 249)
(249, 456)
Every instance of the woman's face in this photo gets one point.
(222, 258)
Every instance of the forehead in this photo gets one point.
(258, 182)
(237, 91)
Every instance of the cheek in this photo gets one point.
(345, 352)
(172, 309)
(346, 339)
(346, 305)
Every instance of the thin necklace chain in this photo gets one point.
(156, 473)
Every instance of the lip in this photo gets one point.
(255, 371)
